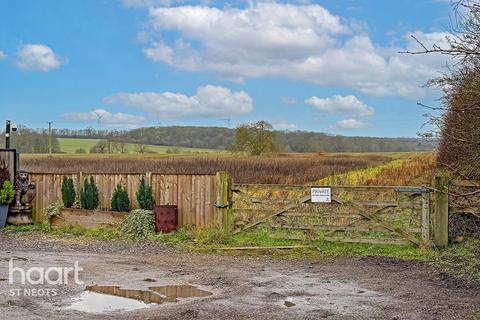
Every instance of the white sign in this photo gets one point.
(321, 195)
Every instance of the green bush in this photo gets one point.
(89, 198)
(80, 150)
(7, 193)
(68, 192)
(120, 201)
(145, 196)
(139, 224)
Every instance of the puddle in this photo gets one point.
(102, 299)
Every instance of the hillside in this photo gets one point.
(70, 145)
(222, 138)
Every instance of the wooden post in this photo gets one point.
(224, 201)
(148, 178)
(440, 226)
(80, 183)
(426, 220)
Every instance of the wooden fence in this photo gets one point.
(386, 214)
(195, 195)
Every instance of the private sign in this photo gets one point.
(323, 195)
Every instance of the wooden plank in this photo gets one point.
(238, 187)
(465, 183)
(210, 201)
(376, 241)
(426, 235)
(274, 214)
(440, 226)
(339, 228)
(224, 201)
(264, 248)
(373, 217)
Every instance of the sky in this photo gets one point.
(328, 66)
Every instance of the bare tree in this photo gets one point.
(457, 118)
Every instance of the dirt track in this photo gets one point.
(242, 287)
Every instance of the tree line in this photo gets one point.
(36, 141)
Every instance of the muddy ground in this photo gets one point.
(242, 287)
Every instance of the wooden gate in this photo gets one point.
(361, 214)
(10, 158)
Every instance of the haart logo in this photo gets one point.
(44, 276)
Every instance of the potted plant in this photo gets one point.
(7, 194)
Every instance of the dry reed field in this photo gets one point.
(276, 169)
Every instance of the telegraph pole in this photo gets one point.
(7, 134)
(50, 137)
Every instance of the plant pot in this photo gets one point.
(3, 215)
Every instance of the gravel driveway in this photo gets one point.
(241, 287)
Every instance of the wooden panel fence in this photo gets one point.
(195, 195)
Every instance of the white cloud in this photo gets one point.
(37, 57)
(341, 104)
(108, 119)
(2, 55)
(209, 101)
(352, 124)
(298, 42)
(283, 125)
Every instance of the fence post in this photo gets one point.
(224, 201)
(426, 220)
(80, 183)
(440, 219)
(148, 178)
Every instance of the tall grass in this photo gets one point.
(274, 169)
(414, 171)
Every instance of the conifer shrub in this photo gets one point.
(89, 197)
(145, 197)
(120, 201)
(68, 192)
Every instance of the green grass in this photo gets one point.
(70, 145)
(460, 259)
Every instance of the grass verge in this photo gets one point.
(461, 260)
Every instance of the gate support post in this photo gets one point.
(426, 220)
(440, 219)
(224, 201)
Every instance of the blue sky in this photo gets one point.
(328, 66)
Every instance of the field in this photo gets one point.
(274, 169)
(70, 145)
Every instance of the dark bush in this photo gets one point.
(120, 201)
(89, 198)
(4, 173)
(459, 148)
(145, 195)
(68, 192)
